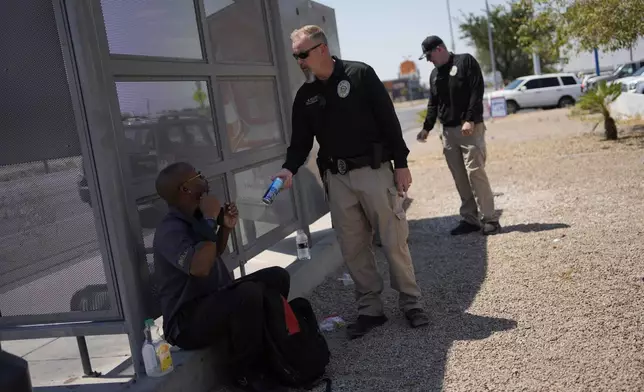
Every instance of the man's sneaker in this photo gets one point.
(417, 317)
(465, 228)
(491, 228)
(364, 324)
(259, 384)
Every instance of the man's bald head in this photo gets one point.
(170, 179)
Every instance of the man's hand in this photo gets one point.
(286, 176)
(210, 206)
(468, 128)
(231, 215)
(403, 180)
(422, 136)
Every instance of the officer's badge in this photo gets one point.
(343, 88)
(453, 71)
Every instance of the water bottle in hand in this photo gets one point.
(303, 252)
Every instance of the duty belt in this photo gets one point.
(345, 165)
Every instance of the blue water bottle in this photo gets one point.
(273, 190)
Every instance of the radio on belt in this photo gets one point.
(273, 190)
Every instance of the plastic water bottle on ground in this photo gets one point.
(150, 359)
(302, 241)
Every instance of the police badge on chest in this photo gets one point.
(344, 87)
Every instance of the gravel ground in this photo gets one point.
(552, 304)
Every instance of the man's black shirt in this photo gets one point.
(346, 114)
(455, 92)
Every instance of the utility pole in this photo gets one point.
(489, 37)
(536, 61)
(451, 30)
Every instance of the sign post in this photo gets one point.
(498, 107)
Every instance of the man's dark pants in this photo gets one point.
(234, 317)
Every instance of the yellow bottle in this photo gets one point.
(165, 358)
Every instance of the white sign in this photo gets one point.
(498, 107)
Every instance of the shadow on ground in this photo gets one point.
(450, 271)
(534, 227)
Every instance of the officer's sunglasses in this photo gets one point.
(305, 54)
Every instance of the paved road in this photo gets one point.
(408, 117)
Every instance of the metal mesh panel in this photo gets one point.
(163, 28)
(49, 254)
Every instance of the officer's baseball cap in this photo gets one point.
(430, 43)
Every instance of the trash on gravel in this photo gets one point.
(331, 323)
(346, 279)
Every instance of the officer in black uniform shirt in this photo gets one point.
(456, 98)
(345, 106)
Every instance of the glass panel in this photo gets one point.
(166, 122)
(163, 28)
(257, 219)
(532, 84)
(50, 260)
(549, 82)
(238, 31)
(568, 80)
(251, 113)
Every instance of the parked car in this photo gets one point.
(639, 87)
(540, 91)
(630, 83)
(622, 71)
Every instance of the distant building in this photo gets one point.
(407, 87)
(608, 61)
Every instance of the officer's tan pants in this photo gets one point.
(465, 156)
(360, 200)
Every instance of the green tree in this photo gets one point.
(582, 25)
(512, 59)
(598, 101)
(200, 96)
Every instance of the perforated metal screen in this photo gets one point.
(50, 261)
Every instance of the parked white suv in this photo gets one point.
(540, 91)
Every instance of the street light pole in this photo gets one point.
(489, 37)
(451, 30)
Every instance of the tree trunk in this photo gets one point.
(610, 129)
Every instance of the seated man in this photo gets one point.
(201, 304)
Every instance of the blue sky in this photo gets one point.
(383, 33)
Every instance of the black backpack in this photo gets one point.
(296, 349)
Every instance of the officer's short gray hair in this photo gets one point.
(313, 32)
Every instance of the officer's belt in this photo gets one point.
(345, 165)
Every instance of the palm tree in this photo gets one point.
(598, 100)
